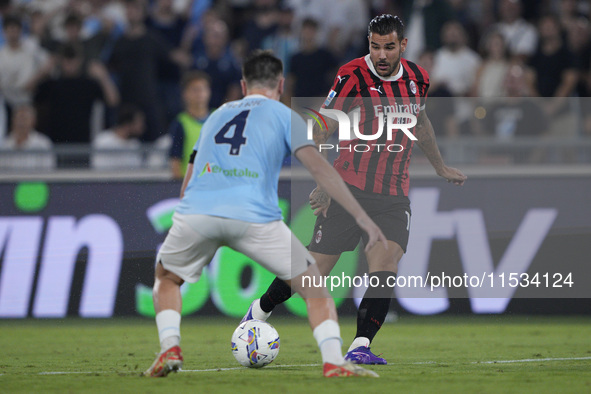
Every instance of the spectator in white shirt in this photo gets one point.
(120, 147)
(520, 36)
(455, 64)
(20, 60)
(493, 70)
(25, 148)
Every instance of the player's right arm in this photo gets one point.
(331, 183)
(319, 200)
(339, 97)
(426, 141)
(322, 135)
(343, 86)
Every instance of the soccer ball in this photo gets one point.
(255, 343)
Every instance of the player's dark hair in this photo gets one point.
(190, 76)
(127, 114)
(262, 68)
(386, 24)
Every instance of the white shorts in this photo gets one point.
(193, 240)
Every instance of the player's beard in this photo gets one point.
(392, 67)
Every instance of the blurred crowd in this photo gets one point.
(121, 74)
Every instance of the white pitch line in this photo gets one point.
(525, 360)
(237, 368)
(67, 372)
(531, 360)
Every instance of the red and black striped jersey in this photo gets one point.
(378, 166)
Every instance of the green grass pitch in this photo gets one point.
(483, 354)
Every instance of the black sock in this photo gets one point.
(276, 294)
(374, 306)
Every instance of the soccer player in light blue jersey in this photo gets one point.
(229, 197)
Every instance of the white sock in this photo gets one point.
(169, 328)
(328, 337)
(169, 342)
(258, 313)
(359, 341)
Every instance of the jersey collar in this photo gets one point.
(256, 96)
(390, 78)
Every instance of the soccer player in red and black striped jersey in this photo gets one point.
(376, 171)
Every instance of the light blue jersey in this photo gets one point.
(239, 156)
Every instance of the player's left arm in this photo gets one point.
(426, 140)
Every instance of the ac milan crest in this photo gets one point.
(318, 236)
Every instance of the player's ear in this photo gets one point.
(403, 43)
(281, 86)
(243, 86)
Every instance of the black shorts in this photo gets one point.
(338, 232)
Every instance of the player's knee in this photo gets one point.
(164, 274)
(385, 260)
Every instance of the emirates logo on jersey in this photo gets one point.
(413, 87)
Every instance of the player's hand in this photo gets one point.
(373, 231)
(453, 175)
(319, 202)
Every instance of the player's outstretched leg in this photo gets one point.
(322, 315)
(167, 302)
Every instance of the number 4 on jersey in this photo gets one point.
(237, 139)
